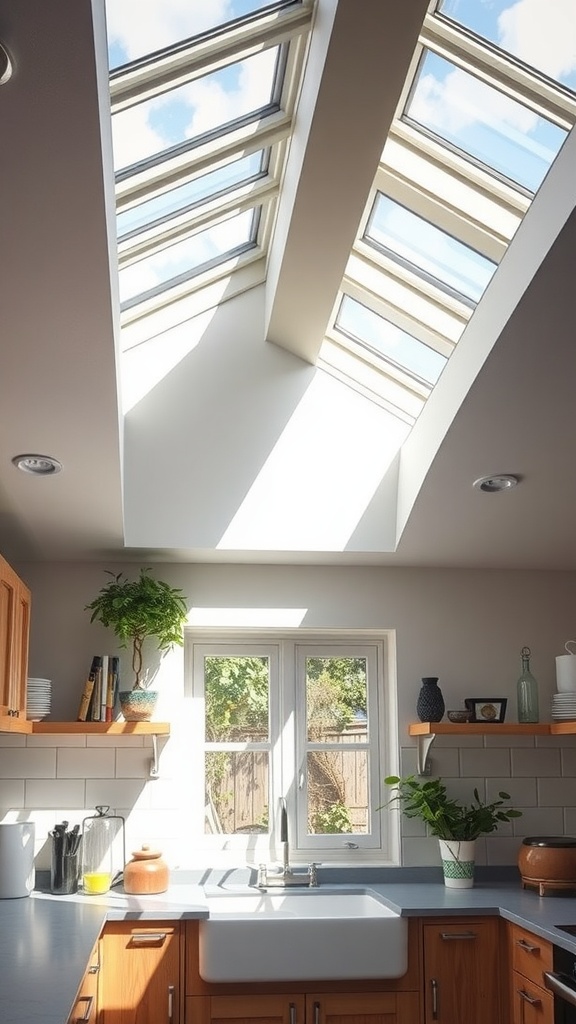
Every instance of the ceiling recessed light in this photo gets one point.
(40, 465)
(6, 68)
(491, 484)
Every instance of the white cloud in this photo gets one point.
(542, 33)
(142, 26)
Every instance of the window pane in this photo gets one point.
(133, 33)
(338, 792)
(237, 787)
(540, 33)
(482, 122)
(237, 699)
(177, 200)
(186, 257)
(194, 109)
(427, 248)
(336, 694)
(396, 345)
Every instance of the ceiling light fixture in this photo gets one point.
(6, 67)
(39, 465)
(491, 484)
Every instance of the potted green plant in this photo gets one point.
(456, 825)
(135, 610)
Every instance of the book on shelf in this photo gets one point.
(89, 687)
(100, 691)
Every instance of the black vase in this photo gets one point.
(430, 705)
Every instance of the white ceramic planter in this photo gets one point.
(458, 863)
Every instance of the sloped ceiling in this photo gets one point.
(504, 405)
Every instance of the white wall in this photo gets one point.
(466, 627)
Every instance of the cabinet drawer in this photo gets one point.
(531, 955)
(530, 1003)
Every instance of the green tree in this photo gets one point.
(236, 697)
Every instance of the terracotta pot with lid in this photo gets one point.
(146, 873)
(548, 862)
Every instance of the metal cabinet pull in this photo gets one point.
(148, 938)
(170, 1003)
(529, 999)
(292, 1013)
(85, 1017)
(527, 947)
(434, 987)
(458, 935)
(316, 1013)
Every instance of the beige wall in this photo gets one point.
(466, 627)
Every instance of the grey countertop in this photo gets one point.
(46, 941)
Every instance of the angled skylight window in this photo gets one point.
(398, 347)
(544, 43)
(186, 197)
(428, 249)
(186, 257)
(136, 30)
(213, 103)
(483, 122)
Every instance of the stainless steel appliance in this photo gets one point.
(562, 982)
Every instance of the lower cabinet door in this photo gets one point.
(531, 1004)
(321, 1008)
(140, 981)
(85, 1009)
(462, 971)
(362, 1008)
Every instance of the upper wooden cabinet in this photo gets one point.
(14, 638)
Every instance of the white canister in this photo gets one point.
(566, 670)
(17, 875)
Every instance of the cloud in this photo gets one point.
(541, 33)
(142, 26)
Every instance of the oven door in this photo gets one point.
(562, 983)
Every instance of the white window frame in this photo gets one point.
(288, 744)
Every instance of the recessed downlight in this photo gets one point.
(492, 484)
(39, 465)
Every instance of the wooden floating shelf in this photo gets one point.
(103, 728)
(491, 728)
(12, 723)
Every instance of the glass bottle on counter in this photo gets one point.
(527, 688)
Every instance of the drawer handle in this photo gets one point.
(170, 1003)
(85, 1017)
(527, 947)
(458, 935)
(316, 1013)
(292, 1012)
(529, 999)
(148, 938)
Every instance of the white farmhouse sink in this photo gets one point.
(301, 936)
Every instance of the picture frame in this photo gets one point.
(487, 709)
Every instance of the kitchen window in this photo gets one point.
(308, 719)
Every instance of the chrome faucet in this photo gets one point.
(286, 875)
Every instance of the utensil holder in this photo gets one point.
(64, 873)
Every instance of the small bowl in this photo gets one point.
(459, 716)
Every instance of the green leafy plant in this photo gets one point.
(333, 820)
(137, 609)
(445, 817)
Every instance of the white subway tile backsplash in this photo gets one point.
(485, 762)
(54, 792)
(25, 763)
(505, 740)
(12, 739)
(444, 761)
(557, 792)
(86, 763)
(115, 792)
(421, 852)
(50, 739)
(568, 760)
(539, 821)
(502, 850)
(522, 792)
(537, 763)
(132, 764)
(11, 795)
(115, 742)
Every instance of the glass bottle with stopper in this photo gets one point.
(527, 688)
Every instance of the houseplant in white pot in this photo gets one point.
(456, 825)
(135, 610)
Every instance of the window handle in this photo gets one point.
(301, 779)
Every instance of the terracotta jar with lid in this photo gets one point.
(146, 873)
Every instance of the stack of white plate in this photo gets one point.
(564, 707)
(38, 697)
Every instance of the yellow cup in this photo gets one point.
(96, 882)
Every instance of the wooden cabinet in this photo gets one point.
(86, 1007)
(462, 971)
(529, 956)
(14, 637)
(305, 1008)
(140, 981)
